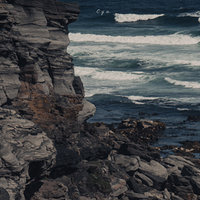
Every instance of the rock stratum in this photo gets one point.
(47, 148)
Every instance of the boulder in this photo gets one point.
(178, 161)
(153, 168)
(128, 163)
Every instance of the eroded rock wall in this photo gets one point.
(35, 69)
(41, 100)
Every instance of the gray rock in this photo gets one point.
(195, 182)
(153, 168)
(177, 161)
(22, 146)
(118, 186)
(88, 111)
(144, 179)
(133, 185)
(136, 196)
(175, 197)
(154, 194)
(166, 194)
(190, 171)
(128, 163)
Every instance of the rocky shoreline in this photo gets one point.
(48, 150)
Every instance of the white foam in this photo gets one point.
(186, 84)
(174, 39)
(182, 109)
(138, 99)
(141, 98)
(134, 17)
(84, 71)
(99, 74)
(193, 14)
(116, 75)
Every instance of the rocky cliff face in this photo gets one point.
(36, 73)
(37, 83)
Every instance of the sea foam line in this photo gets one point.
(96, 73)
(135, 17)
(186, 84)
(174, 39)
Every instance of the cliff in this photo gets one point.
(38, 87)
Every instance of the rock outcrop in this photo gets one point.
(35, 69)
(25, 153)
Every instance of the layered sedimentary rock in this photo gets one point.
(35, 69)
(37, 82)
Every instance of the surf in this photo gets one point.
(173, 39)
(135, 17)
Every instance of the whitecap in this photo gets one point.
(186, 84)
(193, 14)
(135, 17)
(182, 109)
(141, 98)
(174, 39)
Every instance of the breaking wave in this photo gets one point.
(135, 17)
(193, 14)
(186, 84)
(96, 73)
(173, 39)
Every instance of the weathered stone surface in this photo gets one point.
(178, 161)
(144, 179)
(180, 186)
(33, 55)
(51, 190)
(118, 187)
(87, 111)
(128, 163)
(166, 194)
(136, 196)
(153, 168)
(25, 152)
(195, 182)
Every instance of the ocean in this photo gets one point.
(140, 59)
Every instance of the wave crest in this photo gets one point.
(134, 17)
(193, 14)
(174, 39)
(186, 84)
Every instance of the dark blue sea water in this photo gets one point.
(140, 59)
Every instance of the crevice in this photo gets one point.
(31, 189)
(60, 171)
(35, 169)
(50, 71)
